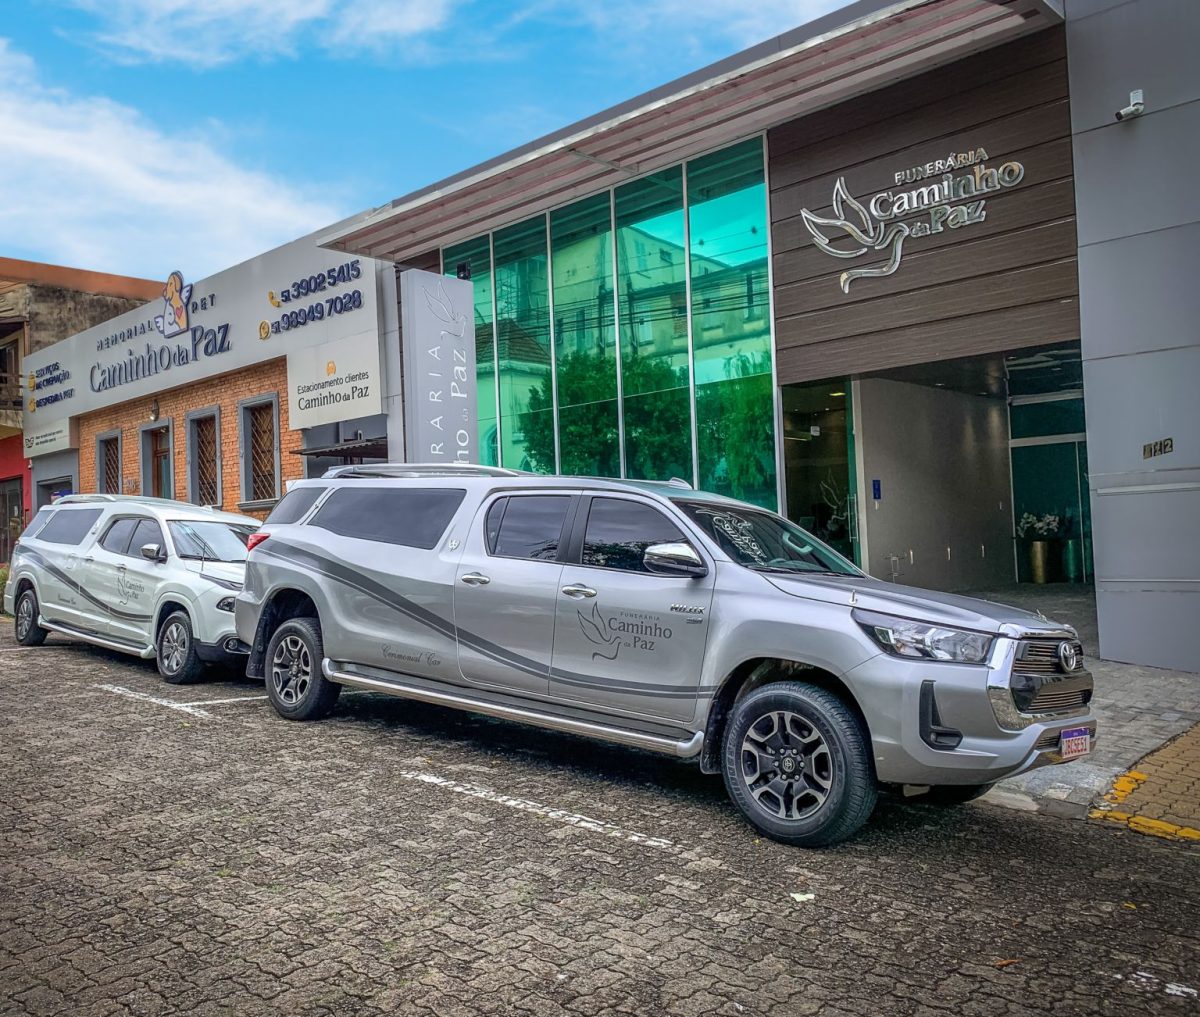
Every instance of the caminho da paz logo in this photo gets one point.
(890, 217)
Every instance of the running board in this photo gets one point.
(145, 652)
(653, 743)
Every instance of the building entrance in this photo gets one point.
(819, 463)
(955, 475)
(12, 505)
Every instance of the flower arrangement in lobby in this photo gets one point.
(1045, 527)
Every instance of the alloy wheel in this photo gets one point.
(24, 617)
(786, 765)
(174, 647)
(291, 670)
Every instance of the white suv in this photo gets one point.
(146, 576)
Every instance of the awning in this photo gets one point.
(854, 50)
(361, 448)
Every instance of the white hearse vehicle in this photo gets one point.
(146, 576)
(659, 617)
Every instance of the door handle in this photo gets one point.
(579, 592)
(88, 561)
(475, 579)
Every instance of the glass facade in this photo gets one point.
(585, 338)
(629, 333)
(731, 323)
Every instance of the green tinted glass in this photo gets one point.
(655, 377)
(1035, 420)
(523, 345)
(474, 258)
(584, 337)
(731, 323)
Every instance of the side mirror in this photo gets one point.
(153, 552)
(675, 559)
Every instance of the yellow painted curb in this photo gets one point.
(1140, 824)
(1124, 786)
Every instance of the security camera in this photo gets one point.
(1136, 107)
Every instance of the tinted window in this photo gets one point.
(618, 533)
(146, 532)
(117, 537)
(411, 517)
(37, 522)
(531, 526)
(295, 503)
(495, 517)
(69, 526)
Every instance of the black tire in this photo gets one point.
(25, 620)
(175, 653)
(295, 685)
(949, 795)
(826, 792)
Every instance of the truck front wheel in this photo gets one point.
(797, 763)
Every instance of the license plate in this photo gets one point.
(1076, 742)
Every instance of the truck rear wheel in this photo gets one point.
(295, 685)
(25, 623)
(797, 763)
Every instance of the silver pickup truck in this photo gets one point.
(659, 617)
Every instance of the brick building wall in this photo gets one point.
(226, 391)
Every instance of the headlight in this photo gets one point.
(903, 637)
(225, 604)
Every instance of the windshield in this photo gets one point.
(210, 541)
(764, 541)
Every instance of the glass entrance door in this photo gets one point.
(13, 522)
(819, 462)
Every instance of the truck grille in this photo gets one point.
(1050, 699)
(1040, 656)
(1040, 683)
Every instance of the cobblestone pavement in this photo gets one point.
(1139, 708)
(1161, 795)
(184, 851)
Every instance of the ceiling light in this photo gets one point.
(836, 394)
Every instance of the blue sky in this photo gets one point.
(146, 135)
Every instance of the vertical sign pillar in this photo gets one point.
(437, 333)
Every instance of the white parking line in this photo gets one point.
(545, 811)
(187, 708)
(1152, 983)
(222, 702)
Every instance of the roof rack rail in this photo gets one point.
(420, 470)
(73, 499)
(125, 499)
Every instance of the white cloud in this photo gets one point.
(101, 187)
(207, 33)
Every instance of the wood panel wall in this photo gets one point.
(1006, 283)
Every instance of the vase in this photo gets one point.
(1071, 563)
(1040, 560)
